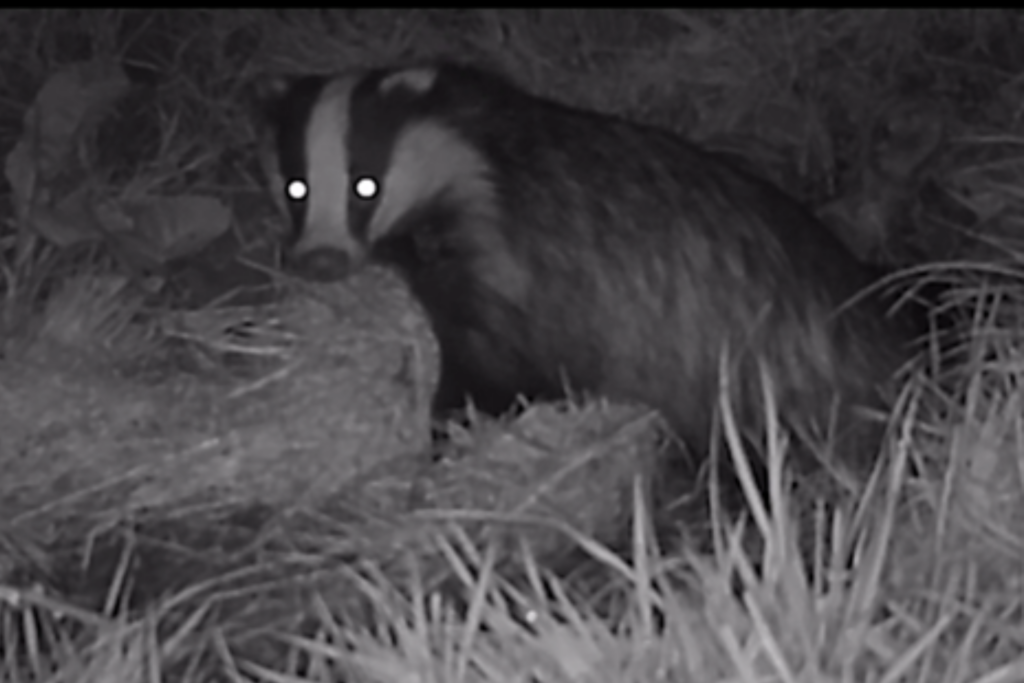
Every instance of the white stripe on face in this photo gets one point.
(429, 160)
(327, 163)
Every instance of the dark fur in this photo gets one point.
(646, 258)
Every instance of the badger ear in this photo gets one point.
(417, 79)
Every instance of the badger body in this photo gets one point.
(557, 250)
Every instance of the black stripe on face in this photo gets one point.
(376, 120)
(292, 115)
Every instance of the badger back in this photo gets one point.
(555, 248)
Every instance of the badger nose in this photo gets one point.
(323, 264)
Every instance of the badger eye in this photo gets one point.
(366, 188)
(296, 190)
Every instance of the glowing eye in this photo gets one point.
(366, 188)
(296, 190)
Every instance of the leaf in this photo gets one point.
(67, 222)
(177, 226)
(67, 107)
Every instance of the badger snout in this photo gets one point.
(323, 264)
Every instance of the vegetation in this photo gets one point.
(210, 472)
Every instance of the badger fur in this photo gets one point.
(560, 250)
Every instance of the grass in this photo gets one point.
(206, 493)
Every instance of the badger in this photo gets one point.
(563, 252)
